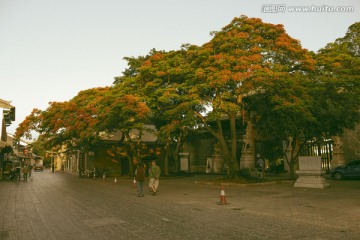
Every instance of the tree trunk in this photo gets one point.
(167, 153)
(120, 167)
(292, 168)
(232, 118)
(296, 146)
(291, 142)
(226, 154)
(131, 146)
(176, 154)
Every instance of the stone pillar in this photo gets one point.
(247, 159)
(338, 157)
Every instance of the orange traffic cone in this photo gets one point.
(222, 197)
(134, 183)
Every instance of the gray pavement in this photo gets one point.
(63, 206)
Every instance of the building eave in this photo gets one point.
(5, 104)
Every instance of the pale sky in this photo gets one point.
(52, 49)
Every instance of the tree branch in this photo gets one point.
(209, 129)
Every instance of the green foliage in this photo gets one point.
(247, 65)
(336, 89)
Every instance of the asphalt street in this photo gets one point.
(63, 206)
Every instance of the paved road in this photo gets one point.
(63, 206)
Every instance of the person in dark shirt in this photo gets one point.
(140, 178)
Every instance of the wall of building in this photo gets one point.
(351, 140)
(199, 148)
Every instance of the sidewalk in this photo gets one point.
(63, 206)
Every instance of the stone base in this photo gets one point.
(247, 159)
(218, 163)
(308, 181)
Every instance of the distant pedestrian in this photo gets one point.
(52, 167)
(140, 178)
(261, 167)
(25, 171)
(260, 163)
(18, 172)
(154, 175)
(30, 170)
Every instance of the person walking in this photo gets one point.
(260, 163)
(154, 175)
(140, 178)
(18, 172)
(30, 170)
(25, 171)
(261, 168)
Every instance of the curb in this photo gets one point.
(241, 184)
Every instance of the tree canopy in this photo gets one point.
(247, 57)
(247, 66)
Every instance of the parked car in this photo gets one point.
(39, 167)
(348, 170)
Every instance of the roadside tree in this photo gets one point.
(310, 108)
(209, 82)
